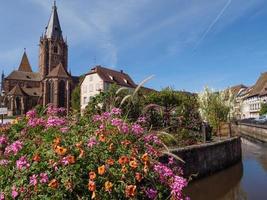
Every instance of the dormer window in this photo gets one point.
(126, 81)
(111, 77)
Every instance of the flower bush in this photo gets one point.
(47, 156)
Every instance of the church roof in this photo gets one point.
(53, 29)
(16, 91)
(25, 64)
(35, 91)
(59, 71)
(24, 76)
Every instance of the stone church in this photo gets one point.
(52, 84)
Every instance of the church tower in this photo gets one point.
(53, 48)
(53, 64)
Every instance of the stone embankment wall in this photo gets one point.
(205, 159)
(253, 131)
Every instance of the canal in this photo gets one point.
(245, 180)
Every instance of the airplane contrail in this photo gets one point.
(213, 23)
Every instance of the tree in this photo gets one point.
(76, 98)
(263, 110)
(215, 107)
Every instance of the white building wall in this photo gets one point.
(90, 87)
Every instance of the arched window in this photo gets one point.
(50, 88)
(62, 91)
(55, 49)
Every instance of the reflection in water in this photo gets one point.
(245, 180)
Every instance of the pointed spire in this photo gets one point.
(25, 64)
(53, 29)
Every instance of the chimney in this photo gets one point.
(122, 71)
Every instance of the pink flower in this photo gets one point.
(124, 128)
(141, 120)
(97, 118)
(33, 180)
(3, 140)
(22, 163)
(116, 111)
(31, 114)
(64, 129)
(2, 196)
(177, 186)
(116, 122)
(65, 161)
(34, 122)
(151, 193)
(53, 121)
(91, 142)
(43, 178)
(52, 110)
(14, 192)
(152, 138)
(4, 162)
(15, 147)
(106, 115)
(137, 129)
(163, 171)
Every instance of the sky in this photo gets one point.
(185, 44)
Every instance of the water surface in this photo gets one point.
(245, 180)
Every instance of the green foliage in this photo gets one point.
(76, 98)
(85, 159)
(263, 110)
(215, 107)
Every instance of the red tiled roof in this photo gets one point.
(112, 76)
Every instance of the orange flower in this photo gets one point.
(130, 190)
(68, 185)
(126, 142)
(101, 170)
(133, 164)
(81, 153)
(57, 141)
(71, 159)
(91, 186)
(36, 158)
(92, 176)
(53, 184)
(110, 161)
(79, 144)
(138, 176)
(146, 168)
(123, 160)
(102, 138)
(108, 186)
(124, 169)
(111, 147)
(145, 157)
(60, 150)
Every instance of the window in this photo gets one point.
(84, 89)
(55, 49)
(111, 77)
(91, 88)
(97, 86)
(84, 100)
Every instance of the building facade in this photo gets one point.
(52, 84)
(249, 99)
(99, 79)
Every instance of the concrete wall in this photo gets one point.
(206, 159)
(254, 131)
